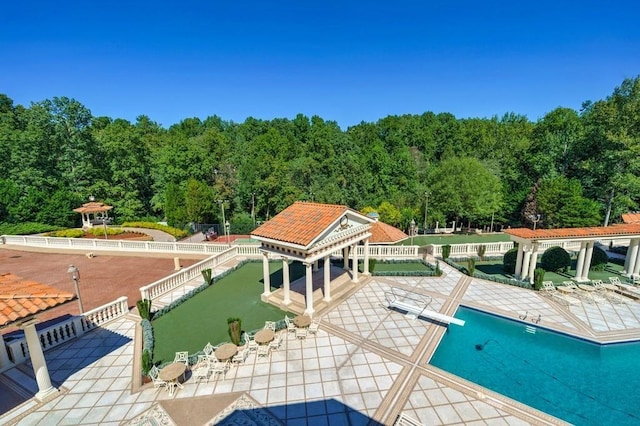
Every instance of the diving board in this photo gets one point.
(415, 305)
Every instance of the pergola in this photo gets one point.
(95, 208)
(20, 300)
(532, 242)
(308, 232)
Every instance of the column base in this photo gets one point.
(47, 393)
(326, 299)
(286, 302)
(265, 296)
(309, 312)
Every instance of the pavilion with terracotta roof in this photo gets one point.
(20, 301)
(97, 209)
(383, 233)
(529, 242)
(308, 232)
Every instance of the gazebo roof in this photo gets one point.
(21, 298)
(303, 222)
(382, 233)
(93, 207)
(576, 233)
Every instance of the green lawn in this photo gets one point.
(421, 240)
(203, 318)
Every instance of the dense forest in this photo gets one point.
(573, 168)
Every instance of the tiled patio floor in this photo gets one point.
(366, 365)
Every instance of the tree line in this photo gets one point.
(572, 168)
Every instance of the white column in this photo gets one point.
(580, 264)
(632, 256)
(636, 268)
(354, 267)
(533, 261)
(519, 259)
(45, 388)
(315, 266)
(286, 284)
(525, 263)
(587, 262)
(345, 256)
(366, 256)
(309, 289)
(327, 278)
(265, 275)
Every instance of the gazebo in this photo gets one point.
(382, 233)
(533, 242)
(20, 301)
(95, 208)
(308, 232)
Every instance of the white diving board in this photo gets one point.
(416, 306)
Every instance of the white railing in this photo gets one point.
(495, 249)
(385, 252)
(96, 244)
(177, 279)
(57, 334)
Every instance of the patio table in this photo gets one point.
(564, 289)
(586, 287)
(226, 351)
(263, 337)
(302, 321)
(610, 287)
(171, 373)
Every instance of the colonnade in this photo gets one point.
(527, 258)
(311, 265)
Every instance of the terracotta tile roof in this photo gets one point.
(631, 217)
(21, 298)
(600, 231)
(382, 233)
(301, 222)
(93, 207)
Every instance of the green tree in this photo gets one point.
(562, 205)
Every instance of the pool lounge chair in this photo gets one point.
(611, 296)
(549, 290)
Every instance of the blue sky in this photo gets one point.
(344, 61)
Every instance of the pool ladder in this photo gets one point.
(530, 329)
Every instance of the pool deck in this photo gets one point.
(366, 365)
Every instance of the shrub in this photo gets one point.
(144, 308)
(509, 261)
(146, 362)
(208, 278)
(175, 232)
(147, 336)
(438, 270)
(372, 265)
(599, 259)
(446, 251)
(538, 277)
(26, 228)
(99, 231)
(482, 249)
(471, 266)
(67, 233)
(235, 330)
(555, 259)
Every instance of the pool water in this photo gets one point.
(572, 379)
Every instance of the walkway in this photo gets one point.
(366, 365)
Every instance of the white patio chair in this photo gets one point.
(157, 381)
(202, 369)
(614, 280)
(313, 327)
(182, 357)
(276, 342)
(291, 327)
(219, 368)
(251, 343)
(270, 325)
(209, 349)
(241, 356)
(263, 351)
(301, 333)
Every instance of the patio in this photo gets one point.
(366, 364)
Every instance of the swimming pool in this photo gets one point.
(572, 379)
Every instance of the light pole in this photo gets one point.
(227, 228)
(222, 208)
(535, 219)
(253, 208)
(74, 274)
(426, 208)
(104, 225)
(412, 229)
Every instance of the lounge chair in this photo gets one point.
(549, 290)
(611, 296)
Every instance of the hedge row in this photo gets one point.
(175, 232)
(27, 228)
(483, 276)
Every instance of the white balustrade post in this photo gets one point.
(45, 388)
